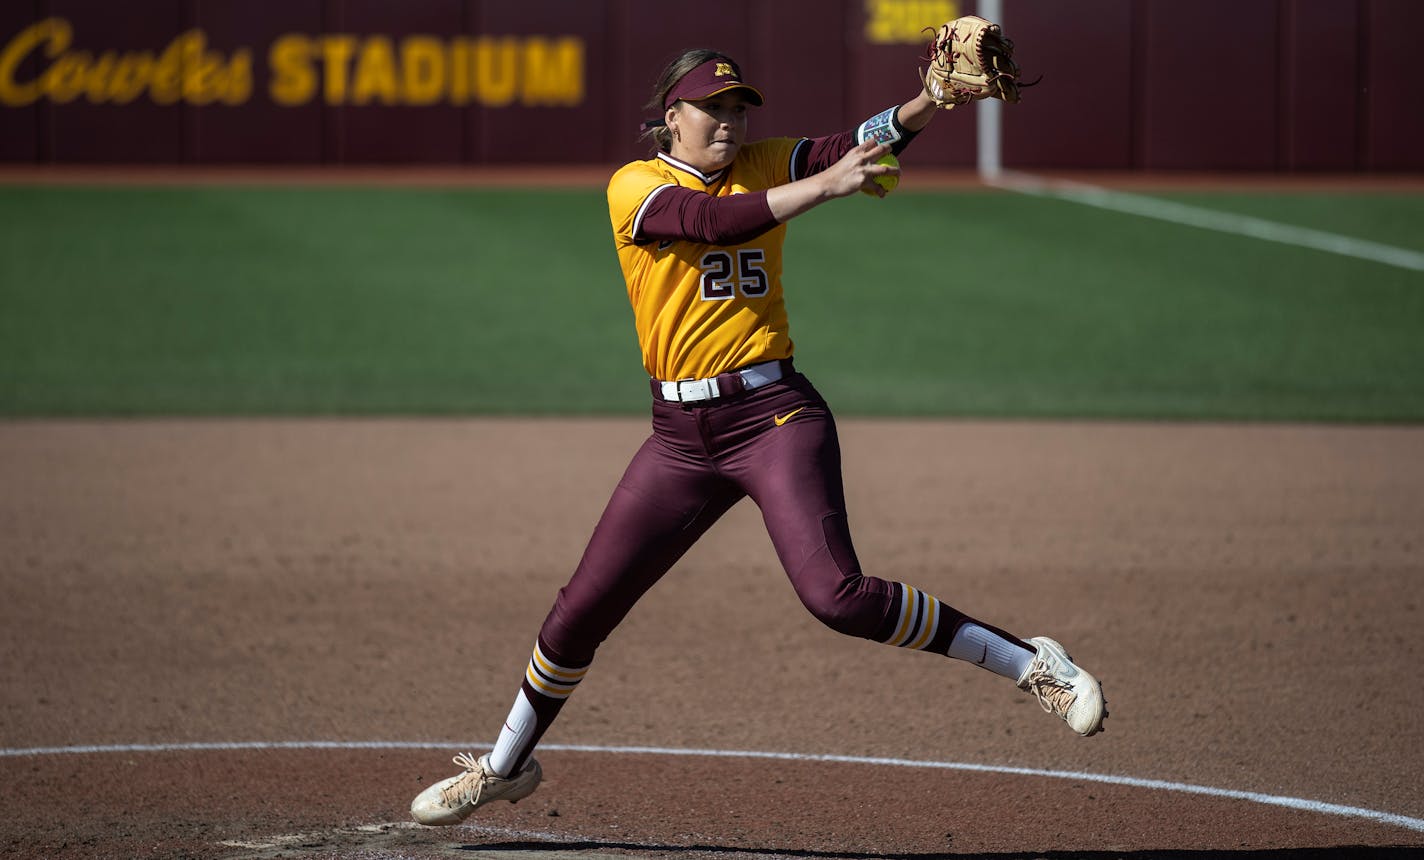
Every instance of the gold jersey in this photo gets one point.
(702, 309)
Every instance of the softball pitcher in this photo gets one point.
(699, 229)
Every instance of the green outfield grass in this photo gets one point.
(203, 301)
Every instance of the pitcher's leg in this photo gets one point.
(795, 477)
(657, 512)
(793, 472)
(663, 503)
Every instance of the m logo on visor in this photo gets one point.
(723, 69)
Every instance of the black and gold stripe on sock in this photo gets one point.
(919, 619)
(549, 678)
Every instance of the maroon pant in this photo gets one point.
(699, 461)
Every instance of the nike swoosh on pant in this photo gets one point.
(782, 419)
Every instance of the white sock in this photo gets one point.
(518, 727)
(984, 647)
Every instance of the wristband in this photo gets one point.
(885, 127)
(882, 128)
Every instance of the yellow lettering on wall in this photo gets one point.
(293, 78)
(237, 88)
(99, 76)
(185, 70)
(40, 63)
(207, 79)
(903, 22)
(553, 72)
(496, 69)
(64, 80)
(460, 72)
(166, 82)
(375, 75)
(127, 82)
(336, 54)
(422, 69)
(54, 34)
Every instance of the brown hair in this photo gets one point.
(671, 74)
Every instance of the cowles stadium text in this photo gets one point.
(335, 68)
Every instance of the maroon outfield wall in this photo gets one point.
(1251, 85)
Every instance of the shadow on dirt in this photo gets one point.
(514, 850)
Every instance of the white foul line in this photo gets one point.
(1296, 803)
(1209, 219)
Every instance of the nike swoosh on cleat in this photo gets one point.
(981, 660)
(782, 419)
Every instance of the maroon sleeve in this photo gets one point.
(817, 153)
(674, 212)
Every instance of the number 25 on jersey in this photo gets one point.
(724, 273)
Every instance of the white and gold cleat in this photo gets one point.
(1064, 689)
(451, 801)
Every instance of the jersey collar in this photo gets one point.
(707, 178)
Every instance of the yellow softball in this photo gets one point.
(887, 182)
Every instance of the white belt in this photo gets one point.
(695, 390)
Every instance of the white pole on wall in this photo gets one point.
(990, 130)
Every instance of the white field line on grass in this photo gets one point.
(1296, 803)
(1208, 219)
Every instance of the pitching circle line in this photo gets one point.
(1297, 803)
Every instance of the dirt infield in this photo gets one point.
(259, 638)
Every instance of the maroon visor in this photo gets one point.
(709, 79)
